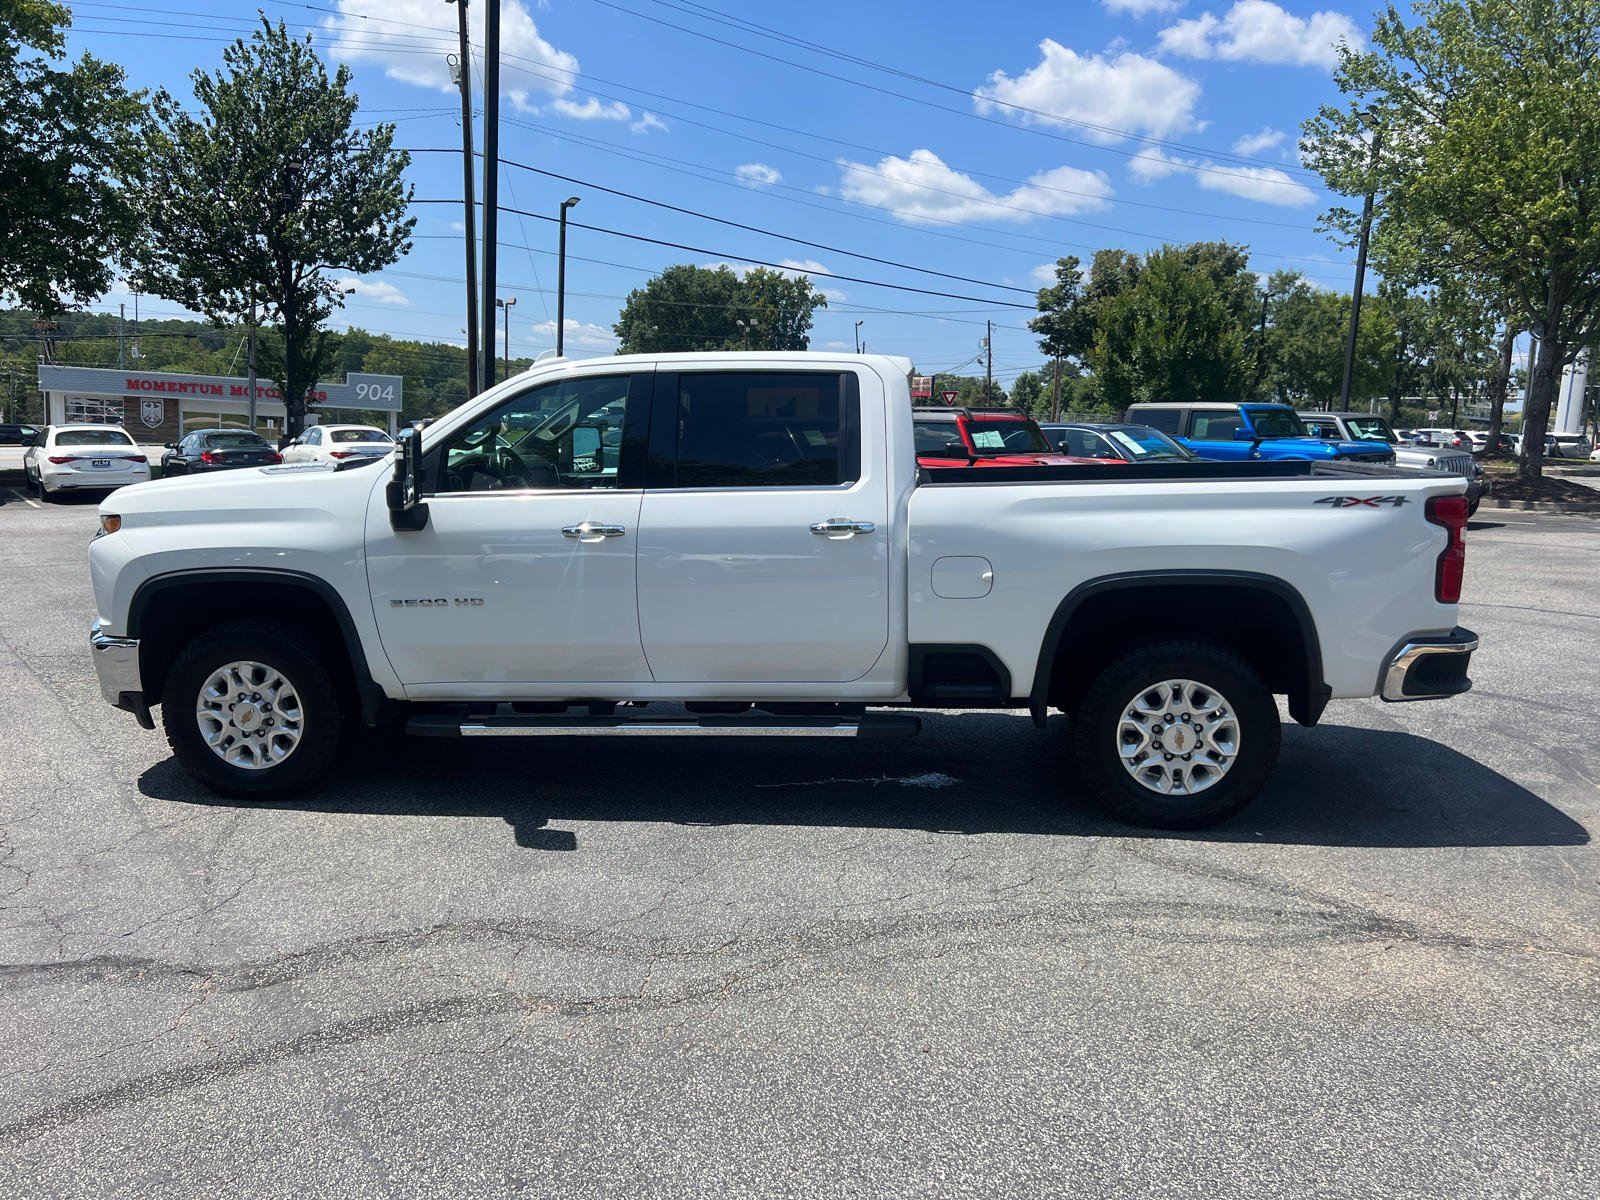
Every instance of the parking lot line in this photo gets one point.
(26, 500)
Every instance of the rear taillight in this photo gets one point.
(273, 456)
(207, 457)
(1451, 513)
(343, 453)
(133, 458)
(64, 458)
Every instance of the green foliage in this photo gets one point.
(1176, 335)
(971, 390)
(688, 308)
(1307, 332)
(1490, 116)
(1069, 311)
(68, 138)
(232, 225)
(1031, 394)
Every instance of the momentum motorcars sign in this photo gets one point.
(382, 393)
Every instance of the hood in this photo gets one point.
(280, 492)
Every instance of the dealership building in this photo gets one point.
(157, 407)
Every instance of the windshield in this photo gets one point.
(1372, 429)
(358, 435)
(1276, 422)
(1143, 444)
(234, 441)
(1006, 437)
(92, 437)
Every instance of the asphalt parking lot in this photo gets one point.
(773, 969)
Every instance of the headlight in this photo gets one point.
(110, 524)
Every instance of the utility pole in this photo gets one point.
(506, 304)
(988, 374)
(1055, 392)
(561, 280)
(461, 75)
(1371, 123)
(859, 324)
(251, 366)
(291, 203)
(1261, 340)
(122, 340)
(491, 178)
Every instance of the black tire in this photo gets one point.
(1225, 786)
(44, 496)
(1472, 506)
(321, 724)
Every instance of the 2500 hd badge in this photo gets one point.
(461, 602)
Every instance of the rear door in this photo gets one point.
(764, 535)
(1211, 431)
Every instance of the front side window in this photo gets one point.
(1215, 424)
(566, 434)
(1085, 443)
(1277, 422)
(1006, 437)
(759, 429)
(92, 437)
(314, 437)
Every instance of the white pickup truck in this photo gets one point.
(748, 538)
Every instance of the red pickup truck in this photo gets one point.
(983, 437)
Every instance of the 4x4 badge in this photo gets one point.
(1369, 501)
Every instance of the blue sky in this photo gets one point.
(1182, 121)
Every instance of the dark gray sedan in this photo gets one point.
(217, 450)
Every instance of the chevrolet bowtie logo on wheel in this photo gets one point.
(1355, 501)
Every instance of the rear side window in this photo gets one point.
(1214, 425)
(92, 437)
(1084, 443)
(1164, 419)
(755, 429)
(933, 436)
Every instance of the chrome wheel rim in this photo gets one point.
(250, 715)
(1178, 737)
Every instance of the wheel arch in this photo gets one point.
(1263, 618)
(167, 610)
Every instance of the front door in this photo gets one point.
(763, 544)
(525, 570)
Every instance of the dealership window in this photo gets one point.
(94, 410)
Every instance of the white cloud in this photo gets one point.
(1044, 275)
(1139, 8)
(1252, 144)
(1260, 31)
(1128, 92)
(574, 334)
(758, 174)
(1266, 184)
(792, 267)
(647, 122)
(592, 110)
(394, 34)
(921, 189)
(373, 289)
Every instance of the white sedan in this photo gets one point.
(73, 457)
(332, 443)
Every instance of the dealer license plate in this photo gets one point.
(99, 462)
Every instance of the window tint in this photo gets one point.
(92, 437)
(566, 434)
(1277, 422)
(1214, 425)
(1323, 429)
(1164, 419)
(761, 429)
(932, 436)
(357, 435)
(1085, 443)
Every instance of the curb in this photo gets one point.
(1548, 506)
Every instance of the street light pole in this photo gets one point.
(561, 280)
(291, 203)
(506, 304)
(859, 324)
(122, 341)
(1371, 123)
(461, 75)
(988, 373)
(491, 178)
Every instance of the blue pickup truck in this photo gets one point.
(1258, 431)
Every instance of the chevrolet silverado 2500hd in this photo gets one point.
(749, 536)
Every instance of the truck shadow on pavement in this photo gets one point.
(973, 773)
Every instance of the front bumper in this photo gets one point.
(1478, 488)
(1429, 666)
(116, 664)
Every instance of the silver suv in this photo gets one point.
(1351, 426)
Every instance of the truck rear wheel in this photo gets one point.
(1176, 735)
(250, 712)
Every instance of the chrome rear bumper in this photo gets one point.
(1430, 666)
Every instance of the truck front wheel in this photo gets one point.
(250, 712)
(1176, 735)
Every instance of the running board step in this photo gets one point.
(870, 725)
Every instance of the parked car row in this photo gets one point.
(103, 457)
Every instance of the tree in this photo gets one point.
(68, 139)
(1490, 171)
(265, 194)
(1174, 336)
(688, 308)
(1306, 338)
(1028, 392)
(1069, 311)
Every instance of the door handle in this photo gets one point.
(838, 527)
(592, 531)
